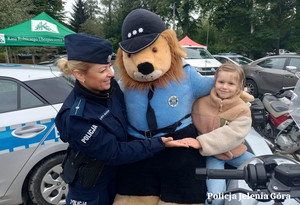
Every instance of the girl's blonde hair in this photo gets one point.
(230, 67)
(68, 66)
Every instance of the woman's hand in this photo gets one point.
(169, 142)
(191, 142)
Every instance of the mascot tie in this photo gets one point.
(150, 115)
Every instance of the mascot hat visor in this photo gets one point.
(140, 29)
(88, 48)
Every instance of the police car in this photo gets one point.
(30, 149)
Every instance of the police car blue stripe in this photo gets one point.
(9, 143)
(10, 65)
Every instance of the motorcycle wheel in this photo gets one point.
(270, 131)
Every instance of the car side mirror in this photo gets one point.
(291, 69)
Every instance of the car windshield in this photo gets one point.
(241, 60)
(197, 53)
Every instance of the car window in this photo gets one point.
(241, 60)
(295, 62)
(14, 97)
(222, 60)
(197, 53)
(273, 63)
(28, 100)
(53, 90)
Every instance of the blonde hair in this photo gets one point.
(230, 67)
(68, 66)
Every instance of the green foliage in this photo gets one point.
(53, 8)
(79, 15)
(253, 27)
(92, 9)
(13, 12)
(92, 27)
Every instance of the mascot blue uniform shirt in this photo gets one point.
(170, 105)
(97, 127)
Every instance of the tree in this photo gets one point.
(183, 12)
(79, 15)
(295, 31)
(92, 9)
(17, 11)
(248, 26)
(280, 18)
(54, 8)
(112, 15)
(92, 27)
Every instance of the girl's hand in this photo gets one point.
(169, 142)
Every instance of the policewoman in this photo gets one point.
(93, 121)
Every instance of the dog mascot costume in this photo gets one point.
(159, 92)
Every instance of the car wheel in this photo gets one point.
(252, 88)
(46, 187)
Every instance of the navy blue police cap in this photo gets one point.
(140, 29)
(88, 48)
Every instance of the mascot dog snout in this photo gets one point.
(145, 68)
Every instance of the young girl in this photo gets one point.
(223, 120)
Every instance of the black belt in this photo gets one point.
(168, 129)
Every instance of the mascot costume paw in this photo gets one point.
(159, 92)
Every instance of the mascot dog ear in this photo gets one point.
(171, 38)
(175, 72)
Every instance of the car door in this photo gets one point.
(289, 78)
(26, 122)
(272, 73)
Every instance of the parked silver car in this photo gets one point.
(53, 62)
(31, 151)
(269, 74)
(233, 58)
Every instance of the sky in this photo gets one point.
(68, 6)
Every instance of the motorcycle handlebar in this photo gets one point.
(269, 177)
(202, 173)
(286, 177)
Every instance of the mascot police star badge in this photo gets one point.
(173, 101)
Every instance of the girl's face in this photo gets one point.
(98, 77)
(227, 84)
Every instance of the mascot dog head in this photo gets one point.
(148, 54)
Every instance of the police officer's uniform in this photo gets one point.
(95, 127)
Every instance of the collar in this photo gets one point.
(101, 96)
(225, 104)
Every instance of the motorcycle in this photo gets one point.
(268, 179)
(276, 118)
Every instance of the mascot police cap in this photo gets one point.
(140, 29)
(88, 48)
